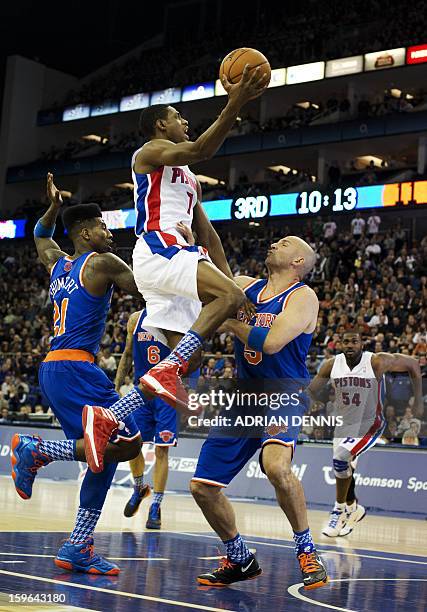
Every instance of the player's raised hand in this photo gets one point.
(251, 85)
(53, 194)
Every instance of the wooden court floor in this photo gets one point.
(379, 549)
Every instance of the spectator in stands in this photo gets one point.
(208, 371)
(406, 420)
(126, 387)
(410, 435)
(329, 229)
(24, 411)
(4, 415)
(11, 398)
(6, 385)
(107, 363)
(373, 249)
(373, 224)
(390, 413)
(357, 226)
(312, 363)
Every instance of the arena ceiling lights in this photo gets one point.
(379, 60)
(346, 65)
(416, 55)
(305, 73)
(292, 75)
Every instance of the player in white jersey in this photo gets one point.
(357, 377)
(177, 278)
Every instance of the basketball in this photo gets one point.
(233, 64)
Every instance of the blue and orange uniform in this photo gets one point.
(156, 420)
(69, 376)
(285, 373)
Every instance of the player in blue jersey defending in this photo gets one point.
(271, 346)
(81, 287)
(157, 421)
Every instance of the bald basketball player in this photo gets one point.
(272, 345)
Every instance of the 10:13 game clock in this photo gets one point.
(336, 201)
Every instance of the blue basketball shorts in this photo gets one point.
(157, 422)
(69, 385)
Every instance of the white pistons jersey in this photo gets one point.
(163, 198)
(358, 396)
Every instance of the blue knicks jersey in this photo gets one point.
(289, 363)
(146, 350)
(78, 317)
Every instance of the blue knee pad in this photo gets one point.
(95, 487)
(342, 469)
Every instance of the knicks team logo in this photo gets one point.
(67, 266)
(274, 430)
(166, 435)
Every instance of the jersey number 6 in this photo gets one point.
(153, 354)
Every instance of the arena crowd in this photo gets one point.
(368, 273)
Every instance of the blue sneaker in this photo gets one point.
(139, 493)
(81, 558)
(26, 461)
(154, 517)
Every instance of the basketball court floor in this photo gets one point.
(380, 566)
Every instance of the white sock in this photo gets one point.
(352, 507)
(339, 507)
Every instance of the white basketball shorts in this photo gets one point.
(165, 271)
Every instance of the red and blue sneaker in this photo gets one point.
(154, 520)
(26, 459)
(164, 380)
(99, 424)
(139, 493)
(82, 558)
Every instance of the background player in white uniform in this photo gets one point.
(173, 276)
(357, 376)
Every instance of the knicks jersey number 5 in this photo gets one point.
(289, 362)
(163, 198)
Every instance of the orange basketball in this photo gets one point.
(233, 64)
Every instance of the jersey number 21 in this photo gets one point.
(59, 317)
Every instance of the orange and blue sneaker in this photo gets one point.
(313, 571)
(81, 557)
(26, 459)
(154, 520)
(139, 493)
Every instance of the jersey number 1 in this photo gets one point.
(190, 201)
(59, 317)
